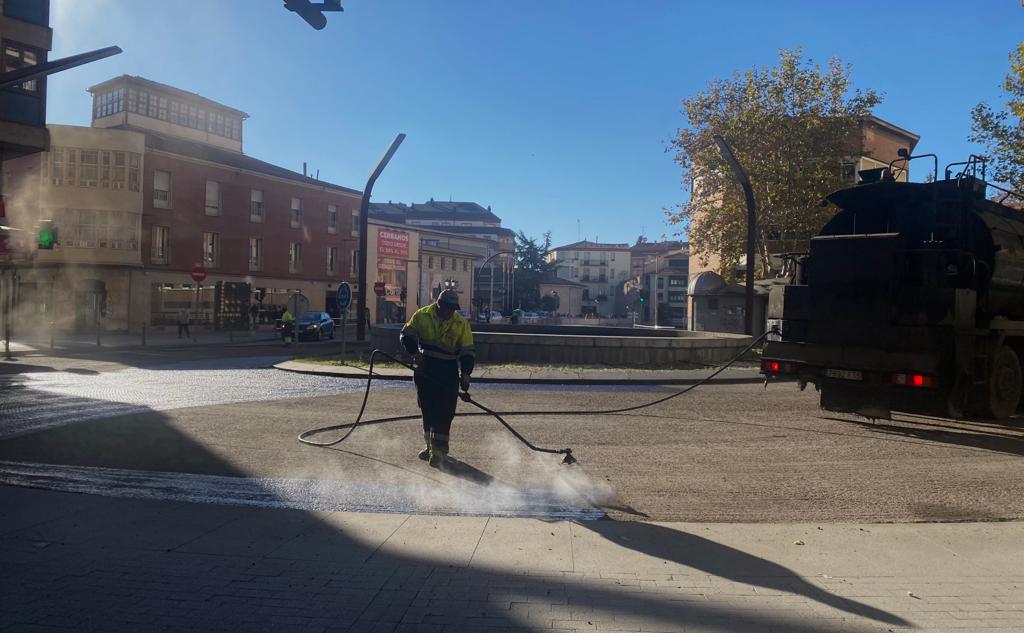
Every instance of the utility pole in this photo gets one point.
(364, 213)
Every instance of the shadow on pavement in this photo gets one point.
(725, 562)
(18, 366)
(96, 563)
(967, 434)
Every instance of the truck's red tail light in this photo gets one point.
(914, 380)
(777, 367)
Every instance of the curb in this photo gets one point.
(533, 381)
(77, 349)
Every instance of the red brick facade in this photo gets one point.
(187, 221)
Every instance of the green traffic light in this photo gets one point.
(46, 238)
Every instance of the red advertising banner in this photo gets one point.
(392, 249)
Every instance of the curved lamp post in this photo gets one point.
(476, 279)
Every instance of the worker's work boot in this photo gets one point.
(439, 459)
(425, 453)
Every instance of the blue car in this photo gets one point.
(314, 325)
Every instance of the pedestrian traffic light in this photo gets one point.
(46, 235)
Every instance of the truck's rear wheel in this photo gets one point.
(1004, 385)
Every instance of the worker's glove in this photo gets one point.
(417, 360)
(464, 382)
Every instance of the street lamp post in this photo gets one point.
(748, 192)
(364, 212)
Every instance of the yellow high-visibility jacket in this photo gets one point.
(444, 340)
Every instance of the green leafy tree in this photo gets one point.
(531, 265)
(1002, 130)
(790, 127)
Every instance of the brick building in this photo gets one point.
(159, 184)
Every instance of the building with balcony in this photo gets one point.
(663, 281)
(603, 269)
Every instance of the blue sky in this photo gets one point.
(550, 111)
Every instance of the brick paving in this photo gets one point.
(83, 563)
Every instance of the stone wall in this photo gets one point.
(572, 349)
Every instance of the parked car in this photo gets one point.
(315, 325)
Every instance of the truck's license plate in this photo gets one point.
(845, 374)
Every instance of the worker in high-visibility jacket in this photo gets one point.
(441, 344)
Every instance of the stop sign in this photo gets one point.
(198, 273)
(378, 288)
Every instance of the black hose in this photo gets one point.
(569, 459)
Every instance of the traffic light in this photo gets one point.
(46, 235)
(643, 296)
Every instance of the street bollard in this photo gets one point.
(143, 333)
(52, 324)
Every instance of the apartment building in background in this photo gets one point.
(463, 234)
(664, 279)
(160, 184)
(603, 269)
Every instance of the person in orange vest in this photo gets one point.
(440, 342)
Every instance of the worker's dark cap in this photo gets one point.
(449, 298)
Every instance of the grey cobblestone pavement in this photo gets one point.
(84, 563)
(35, 401)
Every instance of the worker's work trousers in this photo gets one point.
(437, 394)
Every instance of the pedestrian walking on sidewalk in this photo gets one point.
(441, 345)
(184, 318)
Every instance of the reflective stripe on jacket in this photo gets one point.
(444, 340)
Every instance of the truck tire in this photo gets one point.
(1004, 385)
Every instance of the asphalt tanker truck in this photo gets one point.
(910, 299)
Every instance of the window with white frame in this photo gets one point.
(134, 165)
(332, 218)
(296, 213)
(295, 257)
(57, 176)
(88, 176)
(256, 205)
(160, 252)
(161, 189)
(332, 260)
(255, 253)
(19, 56)
(212, 197)
(354, 267)
(211, 249)
(355, 222)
